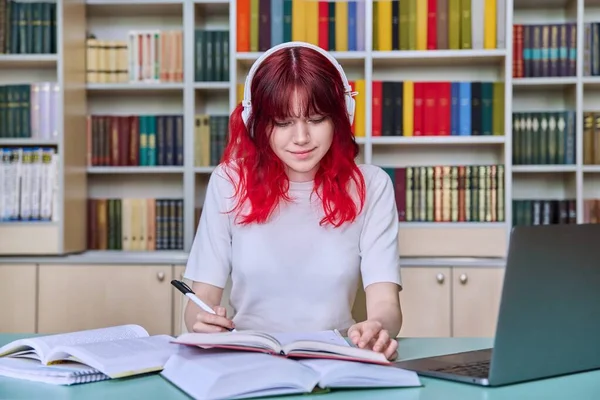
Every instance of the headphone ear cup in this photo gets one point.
(351, 107)
(246, 114)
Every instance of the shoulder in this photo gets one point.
(224, 177)
(376, 179)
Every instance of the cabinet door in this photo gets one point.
(17, 298)
(425, 299)
(77, 297)
(476, 300)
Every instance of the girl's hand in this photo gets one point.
(371, 335)
(211, 323)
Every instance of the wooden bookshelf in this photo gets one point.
(108, 19)
(65, 231)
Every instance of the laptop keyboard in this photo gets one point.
(478, 369)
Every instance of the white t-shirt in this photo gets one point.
(292, 274)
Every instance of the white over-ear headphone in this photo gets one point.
(348, 93)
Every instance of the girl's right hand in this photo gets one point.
(211, 323)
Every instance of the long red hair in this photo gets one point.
(260, 179)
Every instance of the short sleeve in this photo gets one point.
(210, 256)
(380, 255)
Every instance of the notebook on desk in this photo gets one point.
(85, 356)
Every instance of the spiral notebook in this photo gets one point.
(58, 374)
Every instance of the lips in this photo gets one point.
(299, 153)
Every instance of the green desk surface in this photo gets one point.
(581, 386)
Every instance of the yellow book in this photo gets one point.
(384, 25)
(299, 20)
(422, 25)
(359, 115)
(143, 206)
(341, 26)
(489, 25)
(240, 92)
(254, 22)
(408, 109)
(375, 21)
(312, 22)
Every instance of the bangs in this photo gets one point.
(296, 98)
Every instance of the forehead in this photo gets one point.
(300, 102)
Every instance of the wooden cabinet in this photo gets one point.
(77, 297)
(425, 299)
(450, 301)
(475, 301)
(437, 301)
(17, 298)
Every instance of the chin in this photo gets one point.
(302, 167)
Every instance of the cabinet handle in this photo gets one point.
(440, 278)
(161, 276)
(463, 278)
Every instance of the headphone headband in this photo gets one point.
(247, 101)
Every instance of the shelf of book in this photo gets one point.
(42, 115)
(513, 86)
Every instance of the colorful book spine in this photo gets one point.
(400, 108)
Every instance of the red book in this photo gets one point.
(418, 108)
(324, 25)
(376, 107)
(443, 108)
(400, 183)
(431, 24)
(518, 51)
(429, 118)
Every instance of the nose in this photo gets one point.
(301, 133)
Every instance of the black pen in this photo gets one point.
(187, 291)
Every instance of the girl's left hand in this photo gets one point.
(371, 335)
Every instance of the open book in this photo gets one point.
(323, 344)
(237, 375)
(111, 352)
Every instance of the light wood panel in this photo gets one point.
(35, 238)
(77, 297)
(476, 301)
(453, 241)
(425, 298)
(17, 298)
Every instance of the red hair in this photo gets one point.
(261, 179)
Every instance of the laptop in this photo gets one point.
(549, 317)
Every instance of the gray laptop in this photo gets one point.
(549, 318)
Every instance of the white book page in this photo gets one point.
(340, 374)
(226, 375)
(118, 358)
(44, 344)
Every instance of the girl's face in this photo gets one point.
(301, 143)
